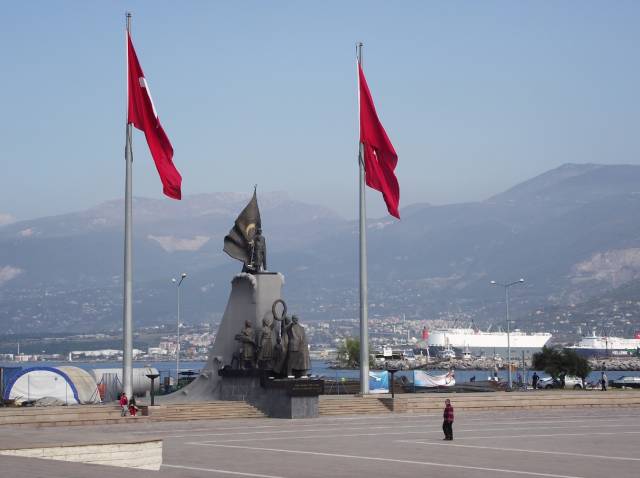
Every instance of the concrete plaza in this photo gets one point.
(567, 443)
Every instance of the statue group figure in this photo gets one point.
(245, 241)
(285, 352)
(258, 253)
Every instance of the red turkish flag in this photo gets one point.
(380, 157)
(142, 114)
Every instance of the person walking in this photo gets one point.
(124, 404)
(447, 424)
(604, 381)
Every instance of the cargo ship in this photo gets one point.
(605, 346)
(476, 341)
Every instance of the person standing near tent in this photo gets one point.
(124, 404)
(447, 424)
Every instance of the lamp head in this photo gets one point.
(183, 275)
(492, 282)
(521, 280)
(174, 280)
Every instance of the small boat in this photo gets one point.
(447, 353)
(625, 381)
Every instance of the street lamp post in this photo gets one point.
(506, 301)
(183, 276)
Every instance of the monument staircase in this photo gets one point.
(203, 411)
(434, 402)
(351, 405)
(62, 416)
(110, 414)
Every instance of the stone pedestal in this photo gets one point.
(252, 296)
(277, 398)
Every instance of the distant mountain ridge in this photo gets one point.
(570, 232)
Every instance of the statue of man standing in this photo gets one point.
(298, 349)
(266, 345)
(247, 345)
(259, 253)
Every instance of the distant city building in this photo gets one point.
(104, 354)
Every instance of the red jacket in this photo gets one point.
(123, 401)
(448, 414)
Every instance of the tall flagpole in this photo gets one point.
(364, 326)
(127, 322)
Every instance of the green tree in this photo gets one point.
(349, 353)
(556, 362)
(574, 364)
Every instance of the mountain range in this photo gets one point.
(570, 233)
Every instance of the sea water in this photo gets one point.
(318, 367)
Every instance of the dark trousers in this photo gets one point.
(447, 428)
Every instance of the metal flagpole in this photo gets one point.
(364, 328)
(178, 340)
(127, 322)
(506, 301)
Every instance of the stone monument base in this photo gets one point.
(275, 397)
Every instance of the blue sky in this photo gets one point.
(475, 96)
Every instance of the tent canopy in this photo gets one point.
(70, 385)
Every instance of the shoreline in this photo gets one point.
(620, 364)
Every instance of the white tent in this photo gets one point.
(112, 377)
(69, 385)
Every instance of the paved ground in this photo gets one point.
(557, 443)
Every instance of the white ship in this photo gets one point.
(603, 346)
(471, 339)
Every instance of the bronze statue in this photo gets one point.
(279, 361)
(284, 337)
(247, 346)
(245, 241)
(279, 357)
(290, 353)
(297, 349)
(258, 261)
(265, 344)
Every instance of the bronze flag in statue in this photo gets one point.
(239, 242)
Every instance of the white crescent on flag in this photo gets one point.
(143, 84)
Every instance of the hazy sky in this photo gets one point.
(475, 96)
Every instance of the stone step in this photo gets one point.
(110, 414)
(505, 401)
(351, 405)
(204, 411)
(207, 417)
(13, 411)
(67, 423)
(184, 409)
(59, 416)
(242, 411)
(433, 402)
(53, 418)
